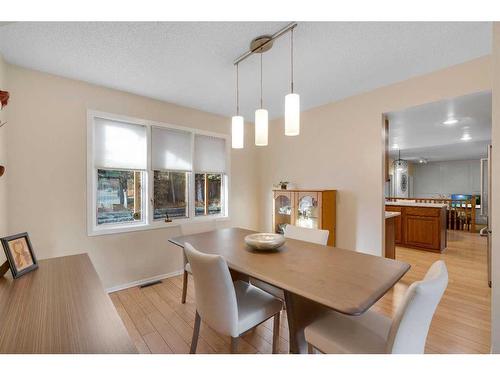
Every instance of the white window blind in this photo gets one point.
(171, 150)
(209, 154)
(119, 145)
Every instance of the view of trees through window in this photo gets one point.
(208, 194)
(118, 196)
(170, 195)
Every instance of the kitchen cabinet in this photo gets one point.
(420, 226)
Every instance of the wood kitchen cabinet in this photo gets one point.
(397, 223)
(390, 234)
(305, 208)
(421, 226)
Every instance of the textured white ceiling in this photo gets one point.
(420, 133)
(191, 63)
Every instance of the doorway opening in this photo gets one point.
(437, 192)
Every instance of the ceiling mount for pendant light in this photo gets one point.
(292, 102)
(237, 122)
(261, 45)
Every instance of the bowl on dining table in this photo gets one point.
(265, 241)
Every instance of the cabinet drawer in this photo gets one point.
(423, 211)
(393, 208)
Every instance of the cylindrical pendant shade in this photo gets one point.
(292, 114)
(237, 131)
(261, 126)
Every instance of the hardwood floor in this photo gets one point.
(462, 320)
(158, 323)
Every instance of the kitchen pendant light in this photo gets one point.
(237, 122)
(261, 118)
(292, 102)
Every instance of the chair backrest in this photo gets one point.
(413, 317)
(319, 236)
(214, 291)
(199, 227)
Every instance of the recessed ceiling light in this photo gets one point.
(466, 137)
(451, 121)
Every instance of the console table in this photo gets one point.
(60, 308)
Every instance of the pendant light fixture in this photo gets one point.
(237, 122)
(261, 118)
(261, 45)
(292, 102)
(400, 163)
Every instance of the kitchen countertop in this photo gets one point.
(416, 204)
(389, 214)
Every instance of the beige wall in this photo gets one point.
(3, 160)
(47, 174)
(340, 147)
(495, 219)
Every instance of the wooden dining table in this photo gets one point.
(314, 278)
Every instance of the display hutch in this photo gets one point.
(305, 208)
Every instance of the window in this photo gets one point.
(143, 175)
(119, 196)
(170, 195)
(209, 165)
(208, 193)
(171, 162)
(120, 159)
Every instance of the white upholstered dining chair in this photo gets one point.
(318, 236)
(230, 308)
(186, 229)
(372, 332)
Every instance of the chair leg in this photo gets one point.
(184, 287)
(276, 333)
(234, 345)
(310, 349)
(196, 333)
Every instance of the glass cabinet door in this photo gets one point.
(282, 212)
(307, 211)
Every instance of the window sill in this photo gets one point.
(155, 225)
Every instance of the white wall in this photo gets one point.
(3, 160)
(495, 201)
(340, 147)
(47, 174)
(436, 179)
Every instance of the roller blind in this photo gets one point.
(209, 154)
(171, 149)
(119, 145)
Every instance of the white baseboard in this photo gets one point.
(143, 281)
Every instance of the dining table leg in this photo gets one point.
(300, 313)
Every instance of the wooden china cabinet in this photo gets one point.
(305, 208)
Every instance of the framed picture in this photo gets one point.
(19, 254)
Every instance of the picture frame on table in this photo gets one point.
(20, 255)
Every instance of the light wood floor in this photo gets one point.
(462, 320)
(158, 323)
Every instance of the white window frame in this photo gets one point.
(223, 193)
(148, 221)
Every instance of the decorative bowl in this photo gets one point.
(265, 241)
